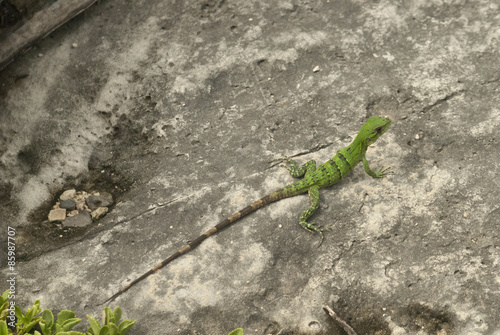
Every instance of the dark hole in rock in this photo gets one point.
(43, 236)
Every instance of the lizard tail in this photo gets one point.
(274, 196)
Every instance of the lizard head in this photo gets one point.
(373, 128)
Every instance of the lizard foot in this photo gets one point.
(283, 159)
(313, 228)
(383, 171)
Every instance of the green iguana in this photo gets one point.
(325, 175)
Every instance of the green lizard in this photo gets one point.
(325, 175)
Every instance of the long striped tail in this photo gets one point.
(274, 196)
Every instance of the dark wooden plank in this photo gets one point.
(39, 26)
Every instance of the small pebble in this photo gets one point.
(80, 205)
(74, 45)
(80, 220)
(316, 69)
(104, 200)
(79, 198)
(69, 194)
(57, 215)
(72, 213)
(99, 213)
(69, 205)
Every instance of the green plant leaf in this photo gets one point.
(237, 331)
(32, 311)
(59, 328)
(70, 323)
(125, 326)
(4, 310)
(48, 317)
(27, 327)
(3, 328)
(64, 315)
(5, 296)
(117, 314)
(104, 330)
(65, 321)
(18, 312)
(44, 328)
(107, 316)
(113, 329)
(94, 325)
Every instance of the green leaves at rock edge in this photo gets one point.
(95, 327)
(47, 324)
(117, 312)
(27, 321)
(65, 315)
(125, 326)
(3, 328)
(66, 320)
(4, 304)
(63, 324)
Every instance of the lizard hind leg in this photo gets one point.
(311, 226)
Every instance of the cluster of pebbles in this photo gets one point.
(78, 209)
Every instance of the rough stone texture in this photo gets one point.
(95, 202)
(99, 213)
(67, 195)
(81, 219)
(69, 205)
(181, 105)
(72, 213)
(58, 214)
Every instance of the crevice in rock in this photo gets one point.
(42, 236)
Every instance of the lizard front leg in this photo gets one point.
(380, 173)
(311, 226)
(304, 170)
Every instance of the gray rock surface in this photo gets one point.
(177, 108)
(95, 202)
(69, 205)
(82, 219)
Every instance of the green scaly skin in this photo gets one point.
(315, 178)
(332, 171)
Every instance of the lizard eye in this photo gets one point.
(379, 130)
